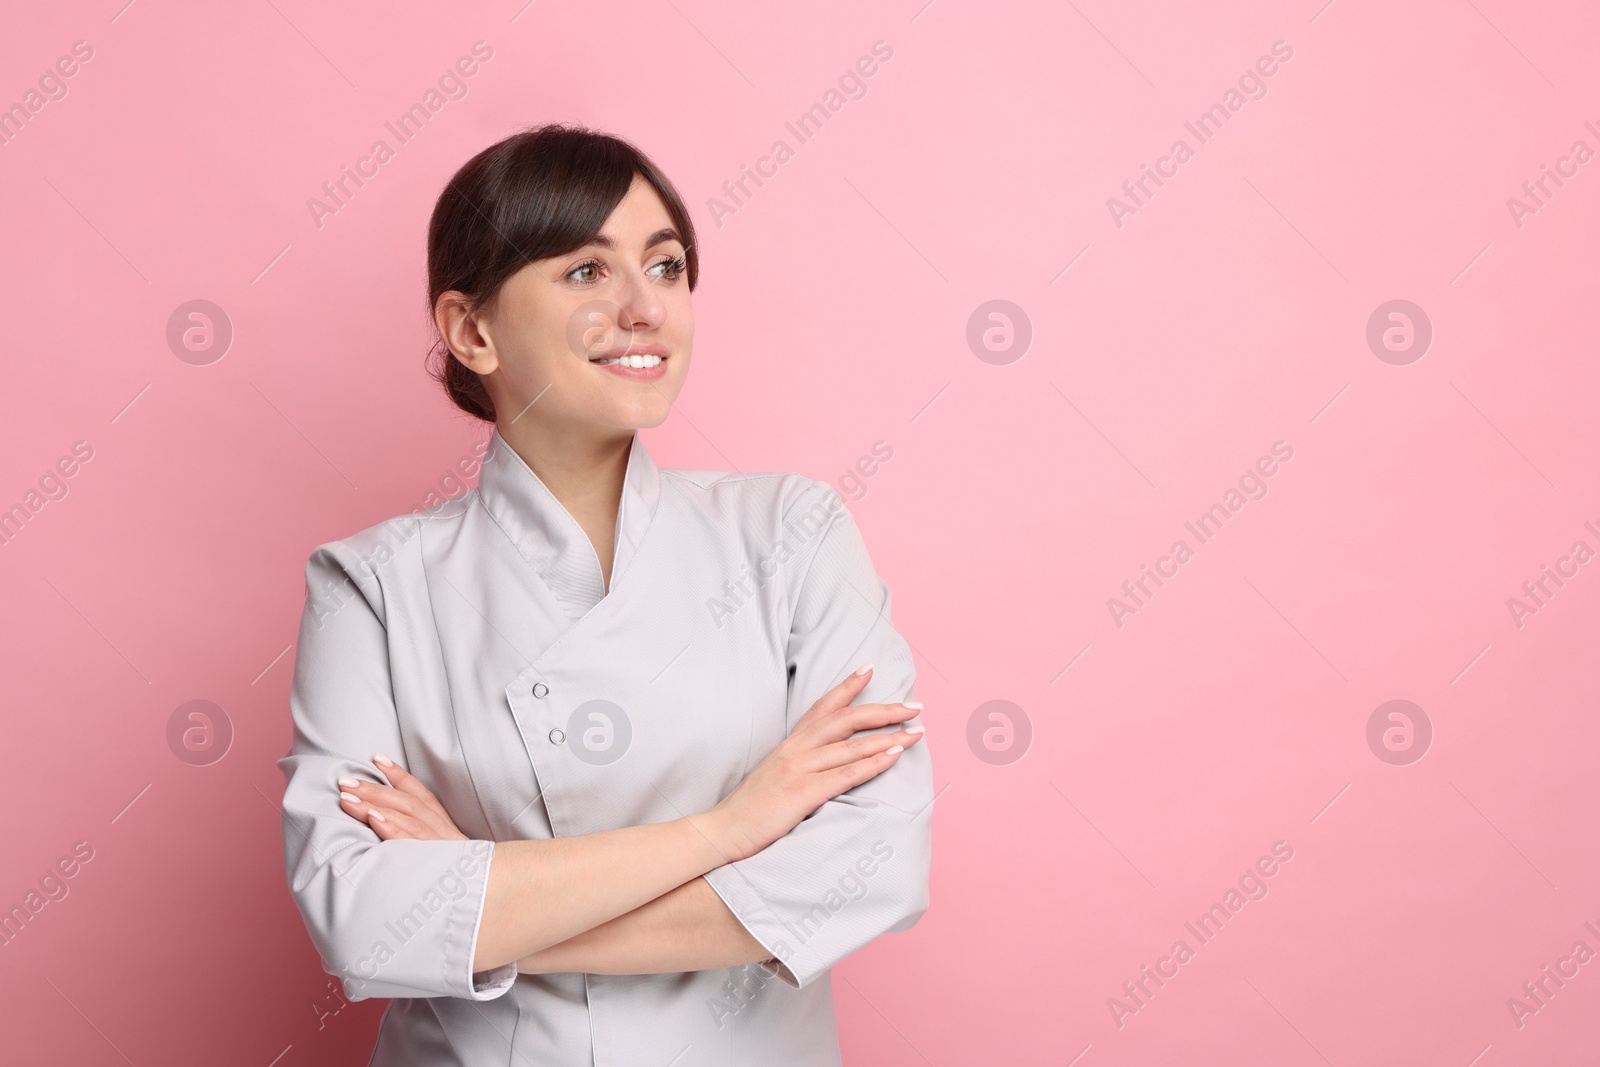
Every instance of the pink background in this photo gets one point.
(1228, 313)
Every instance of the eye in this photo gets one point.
(592, 265)
(672, 269)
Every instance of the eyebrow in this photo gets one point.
(661, 236)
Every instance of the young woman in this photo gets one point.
(598, 763)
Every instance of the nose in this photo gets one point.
(639, 303)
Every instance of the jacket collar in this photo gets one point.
(546, 534)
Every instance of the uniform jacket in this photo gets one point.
(476, 645)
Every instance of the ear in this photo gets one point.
(464, 333)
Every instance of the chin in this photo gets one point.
(642, 417)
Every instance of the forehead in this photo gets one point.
(640, 218)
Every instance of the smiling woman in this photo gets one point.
(587, 829)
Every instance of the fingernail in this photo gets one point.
(864, 668)
(349, 798)
(376, 814)
(349, 783)
(915, 729)
(911, 704)
(383, 761)
(895, 749)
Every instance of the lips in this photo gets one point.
(631, 350)
(636, 362)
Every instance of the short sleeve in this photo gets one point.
(859, 866)
(389, 918)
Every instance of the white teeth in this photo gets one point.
(631, 361)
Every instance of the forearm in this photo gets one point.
(686, 929)
(543, 893)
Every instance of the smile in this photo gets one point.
(630, 361)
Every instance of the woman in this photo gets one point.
(631, 815)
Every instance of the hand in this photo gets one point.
(402, 810)
(823, 756)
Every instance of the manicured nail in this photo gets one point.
(374, 813)
(915, 729)
(383, 761)
(864, 668)
(895, 749)
(911, 704)
(349, 783)
(349, 798)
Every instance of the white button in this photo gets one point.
(556, 736)
(540, 690)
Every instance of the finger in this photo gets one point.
(862, 746)
(400, 778)
(385, 797)
(355, 807)
(853, 720)
(843, 779)
(395, 826)
(837, 697)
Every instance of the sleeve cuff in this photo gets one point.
(798, 966)
(487, 985)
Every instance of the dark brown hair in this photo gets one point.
(541, 192)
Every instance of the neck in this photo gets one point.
(583, 468)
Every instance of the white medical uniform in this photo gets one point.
(476, 645)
